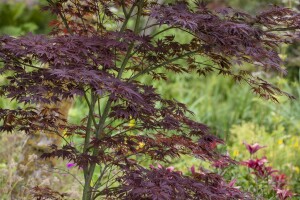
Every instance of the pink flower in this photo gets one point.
(269, 171)
(283, 194)
(259, 167)
(232, 183)
(254, 164)
(152, 167)
(197, 174)
(193, 170)
(159, 166)
(253, 148)
(171, 168)
(70, 165)
(279, 180)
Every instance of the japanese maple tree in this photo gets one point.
(99, 50)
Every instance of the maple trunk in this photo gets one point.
(87, 194)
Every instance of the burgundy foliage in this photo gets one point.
(163, 183)
(95, 54)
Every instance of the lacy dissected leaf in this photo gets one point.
(163, 183)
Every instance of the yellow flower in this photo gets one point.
(280, 141)
(131, 123)
(236, 153)
(141, 145)
(297, 169)
(296, 144)
(283, 56)
(49, 95)
(146, 11)
(64, 133)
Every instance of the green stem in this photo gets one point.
(91, 107)
(87, 194)
(136, 30)
(127, 17)
(87, 175)
(123, 8)
(120, 73)
(99, 132)
(89, 122)
(166, 29)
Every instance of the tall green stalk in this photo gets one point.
(87, 191)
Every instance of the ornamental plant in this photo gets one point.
(256, 176)
(268, 181)
(99, 50)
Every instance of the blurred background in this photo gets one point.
(232, 111)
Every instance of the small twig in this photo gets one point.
(67, 172)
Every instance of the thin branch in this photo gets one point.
(90, 107)
(166, 29)
(90, 119)
(115, 127)
(136, 30)
(67, 172)
(293, 28)
(184, 30)
(58, 133)
(123, 8)
(98, 181)
(149, 26)
(99, 108)
(124, 63)
(127, 17)
(149, 69)
(21, 63)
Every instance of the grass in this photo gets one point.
(220, 102)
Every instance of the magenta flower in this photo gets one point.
(170, 169)
(159, 166)
(283, 194)
(193, 170)
(70, 165)
(198, 174)
(254, 164)
(253, 148)
(232, 184)
(269, 171)
(279, 180)
(259, 167)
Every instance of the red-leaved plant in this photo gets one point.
(99, 50)
(274, 179)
